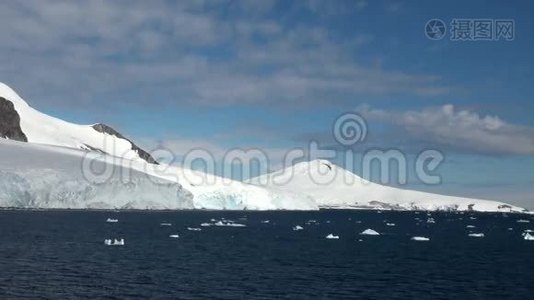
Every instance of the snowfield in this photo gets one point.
(49, 167)
(334, 187)
(38, 176)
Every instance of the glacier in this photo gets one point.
(52, 177)
(337, 188)
(39, 177)
(42, 165)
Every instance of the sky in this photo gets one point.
(274, 75)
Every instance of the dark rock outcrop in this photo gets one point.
(103, 128)
(10, 122)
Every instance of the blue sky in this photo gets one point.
(275, 74)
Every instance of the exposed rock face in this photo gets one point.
(103, 128)
(10, 122)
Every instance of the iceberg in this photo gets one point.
(476, 235)
(420, 239)
(298, 228)
(369, 232)
(332, 237)
(114, 242)
(528, 237)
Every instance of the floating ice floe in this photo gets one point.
(223, 223)
(420, 239)
(114, 242)
(174, 236)
(470, 226)
(110, 220)
(165, 224)
(431, 220)
(369, 232)
(332, 237)
(528, 237)
(523, 221)
(390, 224)
(298, 228)
(194, 229)
(476, 235)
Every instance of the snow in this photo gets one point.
(420, 239)
(38, 176)
(40, 128)
(369, 232)
(42, 176)
(332, 237)
(47, 173)
(334, 187)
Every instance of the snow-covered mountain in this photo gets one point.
(42, 162)
(21, 122)
(334, 187)
(43, 176)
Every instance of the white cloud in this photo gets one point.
(458, 129)
(66, 52)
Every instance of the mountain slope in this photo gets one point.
(334, 187)
(23, 123)
(43, 177)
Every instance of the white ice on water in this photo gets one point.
(332, 237)
(369, 232)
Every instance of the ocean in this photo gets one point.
(62, 255)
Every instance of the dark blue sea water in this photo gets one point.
(61, 255)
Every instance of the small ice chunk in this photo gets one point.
(369, 232)
(470, 226)
(265, 221)
(174, 236)
(523, 221)
(297, 228)
(476, 235)
(430, 220)
(206, 224)
(332, 237)
(165, 224)
(114, 242)
(228, 223)
(110, 220)
(528, 237)
(194, 229)
(390, 224)
(420, 239)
